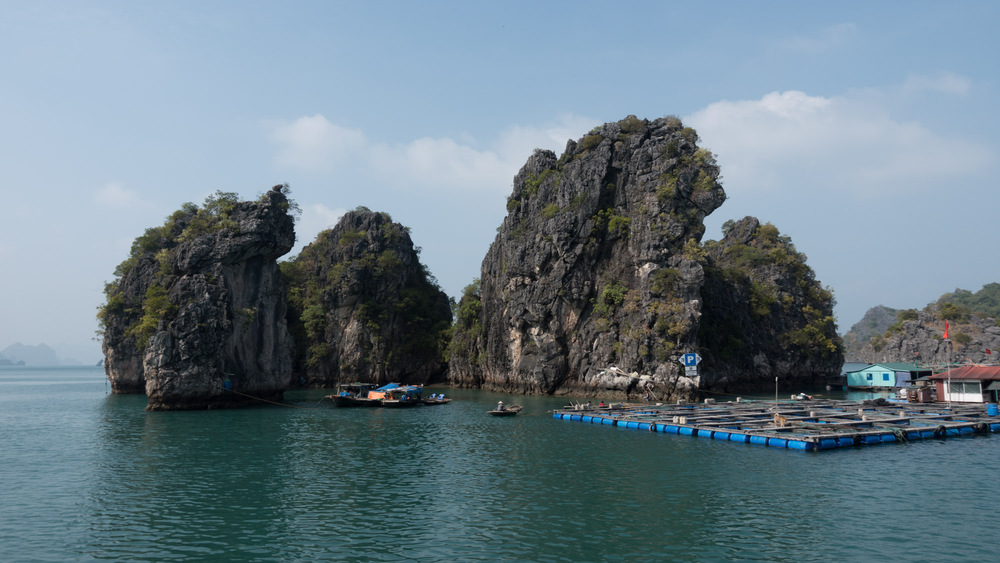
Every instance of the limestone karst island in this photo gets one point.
(599, 263)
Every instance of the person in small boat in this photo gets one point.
(500, 406)
(602, 404)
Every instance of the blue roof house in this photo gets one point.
(886, 374)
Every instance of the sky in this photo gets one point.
(868, 132)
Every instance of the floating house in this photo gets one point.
(968, 384)
(886, 375)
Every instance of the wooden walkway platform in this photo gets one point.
(801, 425)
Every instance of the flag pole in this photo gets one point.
(947, 344)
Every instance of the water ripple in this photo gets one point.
(90, 476)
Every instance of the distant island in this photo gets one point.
(5, 362)
(24, 355)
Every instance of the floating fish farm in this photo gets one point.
(799, 425)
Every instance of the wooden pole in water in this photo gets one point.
(776, 393)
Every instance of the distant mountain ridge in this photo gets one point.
(21, 354)
(906, 335)
(876, 321)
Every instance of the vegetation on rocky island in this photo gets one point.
(362, 306)
(762, 300)
(599, 262)
(918, 334)
(198, 301)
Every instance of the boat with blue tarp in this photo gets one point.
(354, 395)
(396, 395)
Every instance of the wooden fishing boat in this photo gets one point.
(354, 395)
(395, 396)
(366, 395)
(506, 411)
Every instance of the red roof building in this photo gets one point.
(968, 384)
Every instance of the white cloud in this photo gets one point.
(788, 141)
(517, 142)
(944, 83)
(315, 219)
(427, 164)
(439, 163)
(313, 143)
(114, 194)
(318, 217)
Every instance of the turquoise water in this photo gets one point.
(86, 475)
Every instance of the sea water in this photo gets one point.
(86, 475)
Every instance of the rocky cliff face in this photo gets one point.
(917, 336)
(764, 314)
(364, 308)
(596, 265)
(200, 305)
(875, 322)
(596, 283)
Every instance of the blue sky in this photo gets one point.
(866, 131)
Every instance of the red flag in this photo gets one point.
(988, 351)
(946, 330)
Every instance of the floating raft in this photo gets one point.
(799, 425)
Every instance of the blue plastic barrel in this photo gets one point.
(777, 442)
(737, 437)
(886, 438)
(671, 429)
(992, 409)
(644, 425)
(845, 442)
(995, 428)
(705, 433)
(687, 431)
(827, 443)
(586, 418)
(557, 415)
(608, 421)
(966, 430)
(721, 435)
(758, 440)
(632, 424)
(872, 440)
(576, 417)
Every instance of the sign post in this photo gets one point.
(690, 361)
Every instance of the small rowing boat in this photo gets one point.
(505, 411)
